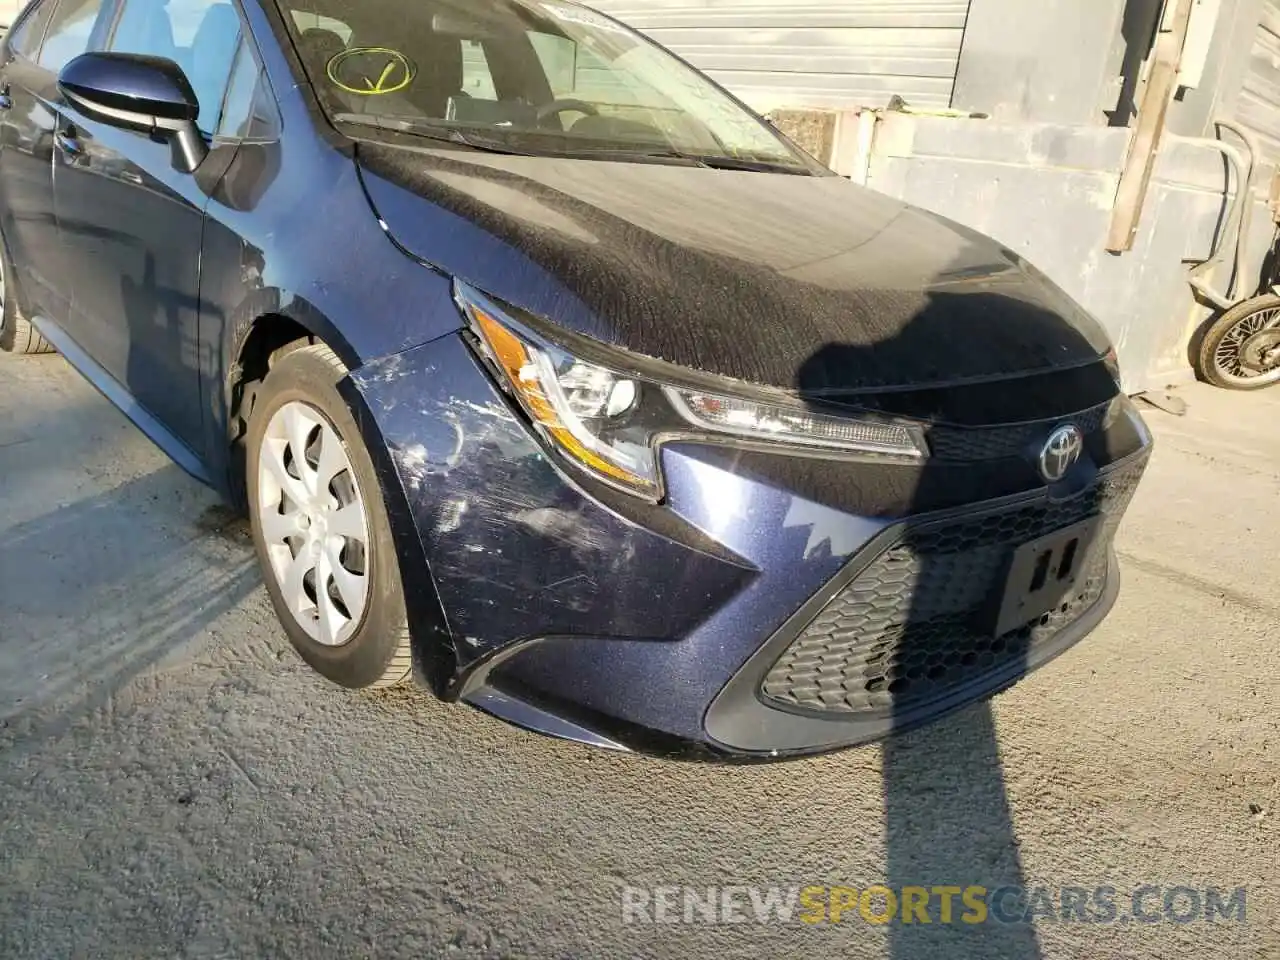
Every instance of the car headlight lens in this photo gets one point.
(611, 422)
(767, 421)
(584, 408)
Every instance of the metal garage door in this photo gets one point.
(1259, 104)
(820, 53)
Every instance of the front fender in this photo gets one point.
(516, 548)
(433, 648)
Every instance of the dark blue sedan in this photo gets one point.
(549, 373)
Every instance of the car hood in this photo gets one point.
(805, 283)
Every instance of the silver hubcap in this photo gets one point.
(314, 523)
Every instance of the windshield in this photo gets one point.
(522, 75)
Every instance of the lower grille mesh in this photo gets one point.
(907, 629)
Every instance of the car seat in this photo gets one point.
(317, 46)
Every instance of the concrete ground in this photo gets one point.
(173, 781)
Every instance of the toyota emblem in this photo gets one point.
(1061, 451)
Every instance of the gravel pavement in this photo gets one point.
(175, 783)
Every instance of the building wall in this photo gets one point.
(1193, 114)
(1044, 61)
(1041, 177)
(1258, 103)
(815, 53)
(1046, 191)
(9, 10)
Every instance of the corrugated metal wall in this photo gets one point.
(1259, 103)
(819, 53)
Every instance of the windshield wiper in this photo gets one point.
(724, 162)
(450, 134)
(717, 161)
(446, 133)
(425, 128)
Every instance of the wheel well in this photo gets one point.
(270, 334)
(270, 337)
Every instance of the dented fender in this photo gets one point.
(516, 548)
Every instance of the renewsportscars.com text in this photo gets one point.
(941, 904)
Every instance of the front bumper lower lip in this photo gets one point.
(530, 716)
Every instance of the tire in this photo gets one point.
(16, 334)
(1218, 358)
(304, 528)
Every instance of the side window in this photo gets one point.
(249, 111)
(199, 35)
(69, 30)
(25, 41)
(477, 78)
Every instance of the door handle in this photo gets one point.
(68, 144)
(6, 101)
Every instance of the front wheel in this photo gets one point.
(1241, 351)
(320, 527)
(16, 333)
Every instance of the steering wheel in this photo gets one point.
(557, 107)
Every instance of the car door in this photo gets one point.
(132, 223)
(28, 127)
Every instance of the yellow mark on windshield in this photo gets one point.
(394, 71)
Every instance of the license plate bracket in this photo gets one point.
(1044, 573)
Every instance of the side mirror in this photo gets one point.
(137, 92)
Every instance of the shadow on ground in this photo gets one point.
(98, 591)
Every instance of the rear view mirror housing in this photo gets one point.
(137, 92)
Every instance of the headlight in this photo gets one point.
(587, 410)
(746, 418)
(611, 422)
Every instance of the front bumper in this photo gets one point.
(688, 627)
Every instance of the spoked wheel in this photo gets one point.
(16, 334)
(320, 526)
(1241, 351)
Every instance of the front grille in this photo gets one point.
(992, 443)
(908, 628)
